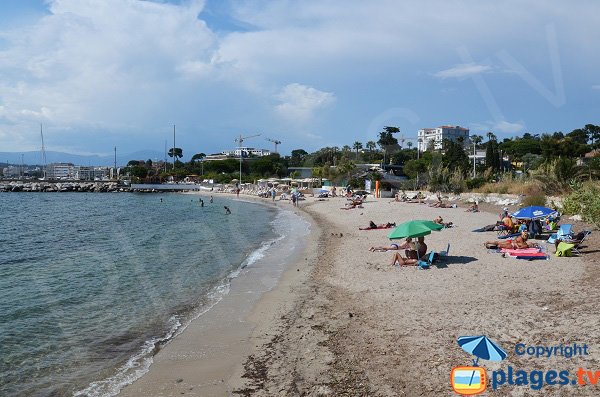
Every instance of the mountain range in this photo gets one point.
(35, 158)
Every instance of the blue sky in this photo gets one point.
(311, 73)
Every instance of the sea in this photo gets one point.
(93, 284)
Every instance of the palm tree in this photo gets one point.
(357, 146)
(371, 145)
(490, 135)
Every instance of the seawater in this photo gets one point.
(91, 285)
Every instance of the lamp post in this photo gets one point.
(474, 174)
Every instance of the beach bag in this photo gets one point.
(564, 249)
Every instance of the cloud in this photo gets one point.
(300, 102)
(596, 87)
(462, 71)
(508, 128)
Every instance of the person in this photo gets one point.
(439, 220)
(273, 194)
(473, 208)
(407, 244)
(507, 222)
(333, 192)
(418, 250)
(211, 199)
(227, 210)
(237, 191)
(373, 225)
(201, 203)
(518, 243)
(294, 199)
(504, 213)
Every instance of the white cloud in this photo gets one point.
(596, 87)
(300, 102)
(463, 70)
(508, 128)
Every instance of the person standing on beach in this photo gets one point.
(211, 199)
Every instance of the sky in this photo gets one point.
(313, 73)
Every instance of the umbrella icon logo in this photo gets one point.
(472, 379)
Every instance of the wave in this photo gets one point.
(139, 363)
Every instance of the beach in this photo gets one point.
(342, 321)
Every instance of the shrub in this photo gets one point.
(475, 183)
(584, 201)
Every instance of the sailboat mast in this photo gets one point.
(43, 153)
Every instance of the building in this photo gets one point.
(60, 171)
(437, 136)
(92, 173)
(246, 152)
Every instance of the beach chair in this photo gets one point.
(444, 254)
(564, 231)
(576, 241)
(426, 263)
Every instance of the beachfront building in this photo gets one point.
(60, 171)
(246, 152)
(434, 137)
(92, 173)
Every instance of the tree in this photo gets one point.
(177, 152)
(371, 145)
(476, 139)
(386, 137)
(198, 156)
(357, 146)
(492, 159)
(455, 157)
(298, 157)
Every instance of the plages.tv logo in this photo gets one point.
(470, 380)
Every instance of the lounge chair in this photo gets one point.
(563, 232)
(576, 240)
(444, 254)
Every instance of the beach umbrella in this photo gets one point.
(413, 229)
(481, 347)
(534, 212)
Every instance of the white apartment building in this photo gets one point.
(437, 135)
(60, 171)
(246, 151)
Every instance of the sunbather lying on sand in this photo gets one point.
(353, 204)
(440, 221)
(518, 243)
(373, 225)
(406, 245)
(473, 208)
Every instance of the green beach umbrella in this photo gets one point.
(414, 229)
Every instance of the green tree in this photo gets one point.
(177, 152)
(357, 146)
(387, 139)
(298, 157)
(198, 156)
(371, 145)
(455, 157)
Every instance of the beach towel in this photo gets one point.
(522, 251)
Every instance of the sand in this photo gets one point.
(342, 321)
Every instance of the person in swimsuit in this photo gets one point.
(407, 244)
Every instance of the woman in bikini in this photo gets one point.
(407, 244)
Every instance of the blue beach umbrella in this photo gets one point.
(534, 212)
(481, 347)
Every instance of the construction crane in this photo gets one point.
(275, 141)
(240, 141)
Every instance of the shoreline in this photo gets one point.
(206, 358)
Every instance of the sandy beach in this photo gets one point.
(343, 322)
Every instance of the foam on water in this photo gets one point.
(139, 364)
